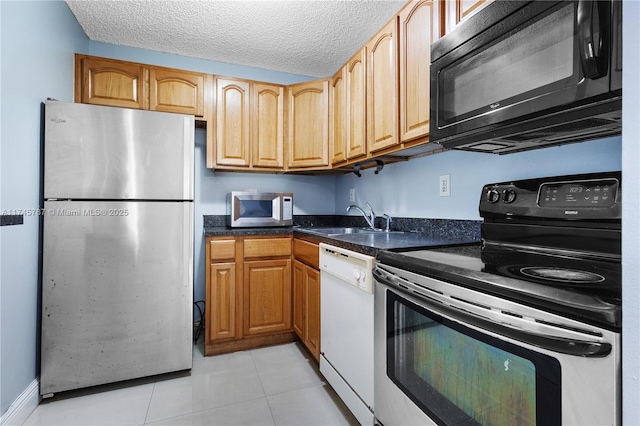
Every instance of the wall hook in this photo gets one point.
(356, 170)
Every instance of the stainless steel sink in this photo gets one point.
(335, 231)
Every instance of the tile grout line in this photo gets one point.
(273, 420)
(146, 414)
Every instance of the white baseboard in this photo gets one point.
(23, 406)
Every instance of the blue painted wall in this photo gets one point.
(411, 189)
(38, 39)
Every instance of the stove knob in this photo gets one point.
(509, 196)
(493, 196)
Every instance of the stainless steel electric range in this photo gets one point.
(522, 329)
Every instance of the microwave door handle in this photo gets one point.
(564, 345)
(594, 50)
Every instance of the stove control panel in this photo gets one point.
(575, 197)
(596, 193)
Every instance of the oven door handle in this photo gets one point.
(552, 343)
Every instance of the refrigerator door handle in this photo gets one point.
(188, 244)
(189, 152)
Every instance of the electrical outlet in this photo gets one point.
(352, 195)
(445, 185)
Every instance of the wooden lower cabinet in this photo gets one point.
(221, 302)
(267, 296)
(248, 293)
(306, 295)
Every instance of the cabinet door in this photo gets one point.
(176, 91)
(457, 11)
(338, 117)
(232, 122)
(267, 122)
(308, 126)
(221, 299)
(356, 77)
(111, 83)
(419, 28)
(382, 80)
(312, 320)
(299, 296)
(267, 296)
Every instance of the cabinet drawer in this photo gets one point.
(306, 252)
(222, 250)
(267, 247)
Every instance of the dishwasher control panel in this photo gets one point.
(349, 266)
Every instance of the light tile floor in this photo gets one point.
(277, 385)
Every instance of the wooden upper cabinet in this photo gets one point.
(419, 28)
(267, 142)
(348, 100)
(176, 91)
(103, 81)
(457, 11)
(308, 124)
(232, 122)
(338, 117)
(382, 80)
(356, 77)
(109, 82)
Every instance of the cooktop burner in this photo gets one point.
(559, 275)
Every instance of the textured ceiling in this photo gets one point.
(309, 37)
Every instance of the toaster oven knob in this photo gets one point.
(509, 196)
(493, 196)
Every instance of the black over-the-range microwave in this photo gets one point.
(520, 75)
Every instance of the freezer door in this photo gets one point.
(117, 292)
(96, 152)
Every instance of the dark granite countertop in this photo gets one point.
(224, 231)
(417, 233)
(371, 244)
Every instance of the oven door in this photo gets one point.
(448, 355)
(536, 60)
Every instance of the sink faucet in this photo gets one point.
(370, 218)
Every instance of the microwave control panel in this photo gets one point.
(287, 208)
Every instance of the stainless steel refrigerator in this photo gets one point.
(117, 245)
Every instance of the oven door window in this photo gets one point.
(457, 375)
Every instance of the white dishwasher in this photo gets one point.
(346, 333)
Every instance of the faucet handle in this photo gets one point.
(389, 220)
(373, 215)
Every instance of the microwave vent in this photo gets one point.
(555, 132)
(488, 146)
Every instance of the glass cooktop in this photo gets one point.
(587, 290)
